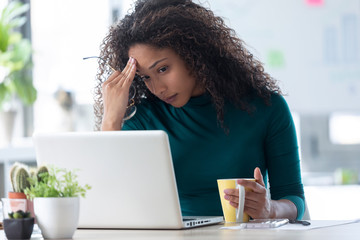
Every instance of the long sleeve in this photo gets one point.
(282, 156)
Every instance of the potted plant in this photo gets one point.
(18, 225)
(19, 176)
(56, 201)
(15, 61)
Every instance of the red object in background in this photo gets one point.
(315, 3)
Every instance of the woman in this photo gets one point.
(224, 115)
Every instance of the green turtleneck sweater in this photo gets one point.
(203, 152)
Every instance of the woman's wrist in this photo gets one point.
(111, 125)
(272, 209)
(283, 208)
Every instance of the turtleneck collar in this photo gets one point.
(201, 100)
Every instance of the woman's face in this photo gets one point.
(165, 74)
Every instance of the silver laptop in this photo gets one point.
(131, 175)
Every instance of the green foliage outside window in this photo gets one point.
(15, 56)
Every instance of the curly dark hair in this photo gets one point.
(210, 50)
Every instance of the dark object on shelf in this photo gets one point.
(21, 228)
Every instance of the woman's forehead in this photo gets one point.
(146, 49)
(147, 55)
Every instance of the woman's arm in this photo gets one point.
(283, 168)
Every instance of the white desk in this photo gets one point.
(348, 232)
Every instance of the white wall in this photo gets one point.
(313, 49)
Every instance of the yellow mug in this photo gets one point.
(232, 214)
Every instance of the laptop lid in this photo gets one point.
(130, 172)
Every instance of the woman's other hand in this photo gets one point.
(115, 92)
(257, 204)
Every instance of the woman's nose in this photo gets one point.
(158, 87)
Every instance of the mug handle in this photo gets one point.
(240, 209)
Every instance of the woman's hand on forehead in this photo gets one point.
(116, 96)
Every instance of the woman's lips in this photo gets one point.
(170, 99)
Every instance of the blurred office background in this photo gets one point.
(311, 46)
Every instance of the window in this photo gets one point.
(63, 32)
(344, 128)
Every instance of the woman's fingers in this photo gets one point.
(115, 74)
(132, 73)
(258, 177)
(129, 74)
(251, 211)
(252, 185)
(253, 196)
(231, 194)
(252, 203)
(118, 77)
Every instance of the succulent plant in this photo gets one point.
(19, 214)
(40, 170)
(20, 174)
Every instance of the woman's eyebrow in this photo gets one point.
(155, 63)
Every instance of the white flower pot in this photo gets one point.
(57, 217)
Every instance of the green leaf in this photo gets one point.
(4, 37)
(22, 52)
(17, 22)
(15, 55)
(14, 38)
(12, 11)
(57, 182)
(9, 20)
(5, 93)
(19, 214)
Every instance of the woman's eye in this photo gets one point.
(163, 69)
